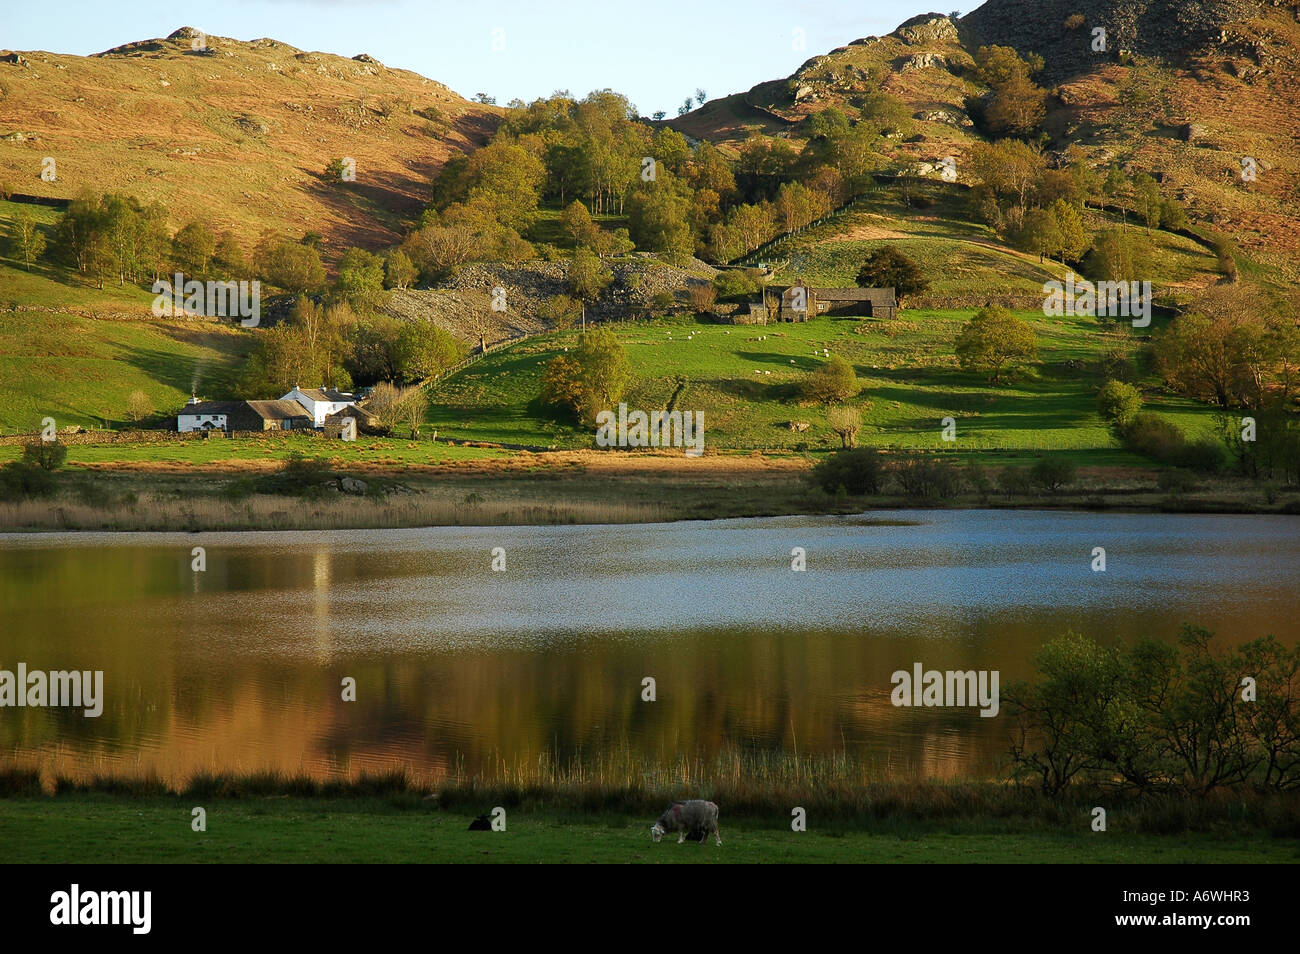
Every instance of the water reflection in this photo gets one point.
(240, 667)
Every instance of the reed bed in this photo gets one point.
(761, 787)
(153, 513)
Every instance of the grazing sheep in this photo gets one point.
(688, 816)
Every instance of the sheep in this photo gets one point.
(689, 816)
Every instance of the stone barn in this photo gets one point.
(799, 301)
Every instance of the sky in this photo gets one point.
(657, 52)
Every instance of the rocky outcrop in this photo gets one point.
(924, 61)
(462, 304)
(1170, 29)
(927, 28)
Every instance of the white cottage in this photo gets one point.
(321, 402)
(207, 415)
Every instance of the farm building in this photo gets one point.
(366, 422)
(230, 416)
(212, 416)
(321, 402)
(280, 415)
(799, 301)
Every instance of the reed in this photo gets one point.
(761, 787)
(155, 513)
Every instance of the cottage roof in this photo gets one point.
(326, 395)
(208, 408)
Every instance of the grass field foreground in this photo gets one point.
(100, 829)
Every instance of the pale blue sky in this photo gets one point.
(655, 51)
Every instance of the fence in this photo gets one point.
(750, 258)
(466, 362)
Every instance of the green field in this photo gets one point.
(745, 379)
(959, 256)
(198, 452)
(47, 285)
(104, 829)
(82, 371)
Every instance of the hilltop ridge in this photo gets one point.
(239, 131)
(1187, 92)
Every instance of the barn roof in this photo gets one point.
(853, 294)
(278, 410)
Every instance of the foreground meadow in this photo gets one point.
(102, 829)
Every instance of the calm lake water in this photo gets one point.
(239, 667)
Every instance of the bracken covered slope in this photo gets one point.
(235, 132)
(1187, 91)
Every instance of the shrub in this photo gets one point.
(833, 381)
(1013, 481)
(979, 479)
(1176, 481)
(47, 455)
(927, 478)
(1172, 215)
(1118, 403)
(857, 471)
(1153, 436)
(560, 311)
(1116, 365)
(1164, 441)
(1204, 455)
(702, 298)
(25, 479)
(1224, 253)
(299, 476)
(734, 284)
(1052, 474)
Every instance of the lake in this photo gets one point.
(240, 667)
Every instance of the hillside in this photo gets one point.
(237, 132)
(746, 382)
(1184, 92)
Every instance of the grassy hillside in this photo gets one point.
(47, 285)
(748, 387)
(82, 371)
(961, 257)
(236, 132)
(745, 379)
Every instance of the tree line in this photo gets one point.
(679, 200)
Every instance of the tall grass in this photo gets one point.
(761, 787)
(341, 513)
